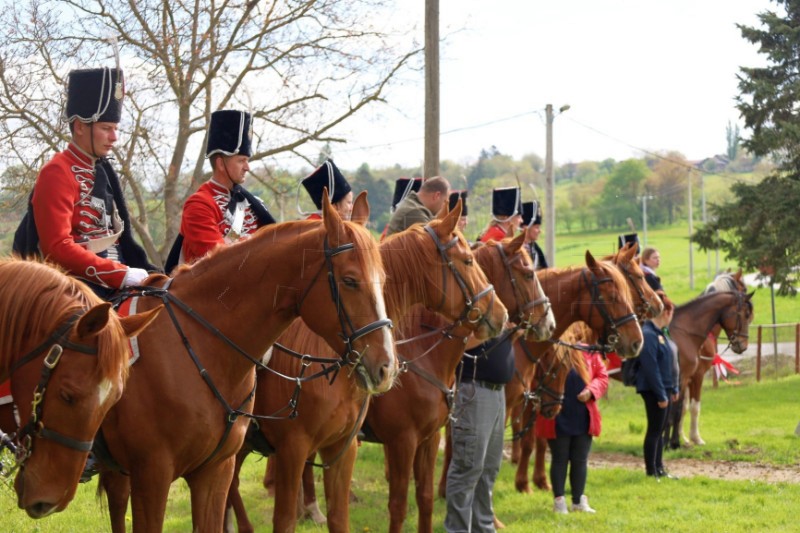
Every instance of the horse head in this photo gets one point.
(605, 289)
(352, 289)
(648, 304)
(467, 296)
(735, 319)
(68, 368)
(509, 267)
(549, 380)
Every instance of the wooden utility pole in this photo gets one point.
(549, 192)
(691, 231)
(431, 162)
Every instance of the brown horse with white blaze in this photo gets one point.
(66, 353)
(184, 413)
(407, 420)
(430, 265)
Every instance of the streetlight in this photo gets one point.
(550, 204)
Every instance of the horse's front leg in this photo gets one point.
(448, 455)
(310, 504)
(400, 459)
(235, 503)
(516, 427)
(289, 461)
(695, 392)
(209, 489)
(539, 470)
(150, 482)
(424, 472)
(337, 484)
(118, 491)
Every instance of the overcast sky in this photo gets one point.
(638, 74)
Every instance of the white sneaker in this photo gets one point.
(583, 506)
(560, 505)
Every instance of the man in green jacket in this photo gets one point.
(420, 207)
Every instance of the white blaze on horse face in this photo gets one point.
(103, 391)
(377, 290)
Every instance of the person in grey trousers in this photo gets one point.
(477, 434)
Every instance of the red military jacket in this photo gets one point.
(206, 221)
(495, 233)
(67, 220)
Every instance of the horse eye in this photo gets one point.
(529, 276)
(469, 262)
(66, 397)
(350, 282)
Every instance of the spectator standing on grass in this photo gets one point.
(657, 383)
(569, 435)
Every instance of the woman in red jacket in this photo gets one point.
(570, 434)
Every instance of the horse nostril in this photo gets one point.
(636, 347)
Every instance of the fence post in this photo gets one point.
(758, 357)
(797, 348)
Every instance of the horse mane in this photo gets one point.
(698, 300)
(414, 267)
(577, 332)
(294, 231)
(36, 298)
(619, 280)
(724, 282)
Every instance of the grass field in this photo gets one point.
(749, 422)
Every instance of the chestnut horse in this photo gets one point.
(576, 294)
(647, 304)
(184, 413)
(407, 420)
(66, 353)
(419, 271)
(694, 367)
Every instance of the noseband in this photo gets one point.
(35, 427)
(737, 332)
(612, 324)
(471, 313)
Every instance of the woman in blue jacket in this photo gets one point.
(657, 383)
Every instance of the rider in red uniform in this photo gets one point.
(506, 209)
(221, 210)
(77, 217)
(339, 191)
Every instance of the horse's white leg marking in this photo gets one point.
(694, 432)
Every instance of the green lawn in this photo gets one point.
(746, 422)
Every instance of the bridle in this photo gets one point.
(348, 333)
(471, 312)
(741, 302)
(54, 345)
(536, 397)
(524, 305)
(611, 324)
(643, 308)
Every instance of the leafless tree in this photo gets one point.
(303, 67)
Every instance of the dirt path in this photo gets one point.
(712, 469)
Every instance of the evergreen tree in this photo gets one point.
(758, 228)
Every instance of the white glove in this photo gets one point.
(134, 276)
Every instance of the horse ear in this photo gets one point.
(93, 321)
(750, 295)
(360, 213)
(738, 275)
(135, 324)
(332, 220)
(634, 249)
(515, 244)
(591, 262)
(449, 219)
